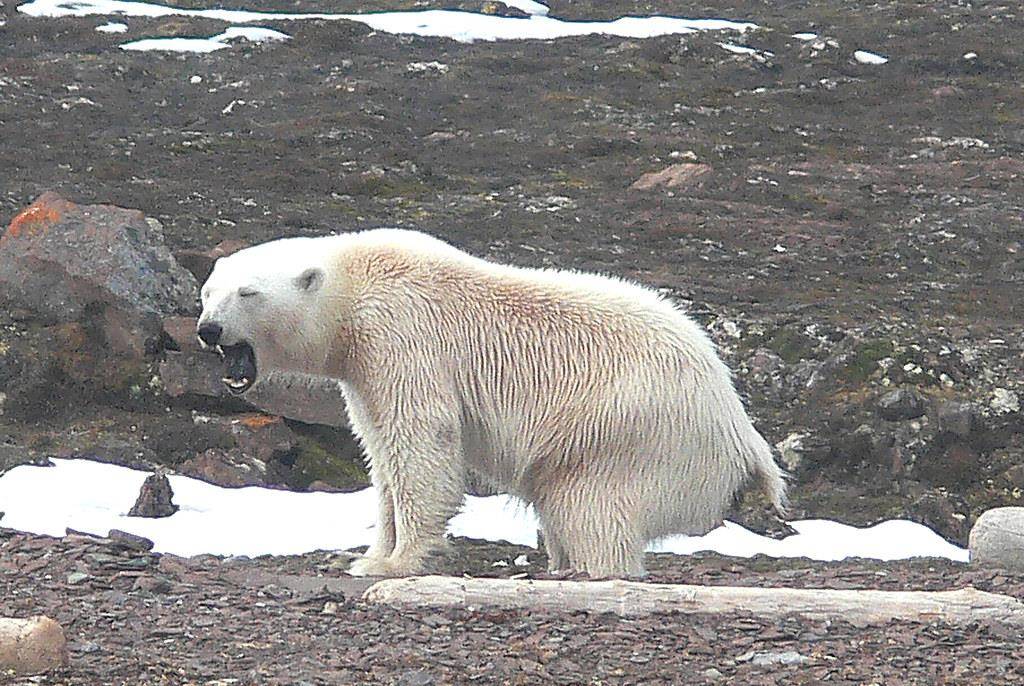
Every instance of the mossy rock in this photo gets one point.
(330, 456)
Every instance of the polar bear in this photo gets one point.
(592, 398)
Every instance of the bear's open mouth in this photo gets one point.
(239, 367)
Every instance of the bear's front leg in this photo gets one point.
(425, 483)
(385, 543)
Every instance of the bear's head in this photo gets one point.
(261, 310)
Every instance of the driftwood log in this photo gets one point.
(31, 646)
(633, 599)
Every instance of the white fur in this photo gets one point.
(591, 397)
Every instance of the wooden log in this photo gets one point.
(634, 599)
(31, 646)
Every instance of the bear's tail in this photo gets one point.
(764, 468)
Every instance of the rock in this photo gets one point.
(954, 417)
(200, 262)
(1004, 401)
(154, 498)
(152, 584)
(997, 538)
(674, 176)
(943, 513)
(263, 437)
(60, 261)
(416, 678)
(193, 373)
(28, 373)
(89, 286)
(129, 541)
(75, 578)
(771, 658)
(229, 468)
(902, 403)
(31, 646)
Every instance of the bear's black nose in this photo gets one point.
(209, 333)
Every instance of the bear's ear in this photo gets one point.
(310, 280)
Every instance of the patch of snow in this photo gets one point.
(253, 34)
(805, 36)
(865, 57)
(970, 55)
(112, 27)
(738, 49)
(454, 24)
(94, 497)
(196, 79)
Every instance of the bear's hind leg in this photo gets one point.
(596, 531)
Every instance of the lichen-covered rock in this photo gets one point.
(997, 538)
(101, 270)
(58, 260)
(902, 403)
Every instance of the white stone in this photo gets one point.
(997, 538)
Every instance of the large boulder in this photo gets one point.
(997, 538)
(65, 262)
(86, 288)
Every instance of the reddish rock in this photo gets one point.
(229, 468)
(678, 175)
(200, 262)
(58, 260)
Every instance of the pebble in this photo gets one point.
(75, 578)
(130, 541)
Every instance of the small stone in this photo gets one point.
(772, 658)
(712, 673)
(997, 538)
(75, 578)
(130, 541)
(152, 584)
(330, 608)
(436, 620)
(416, 678)
(902, 403)
(154, 498)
